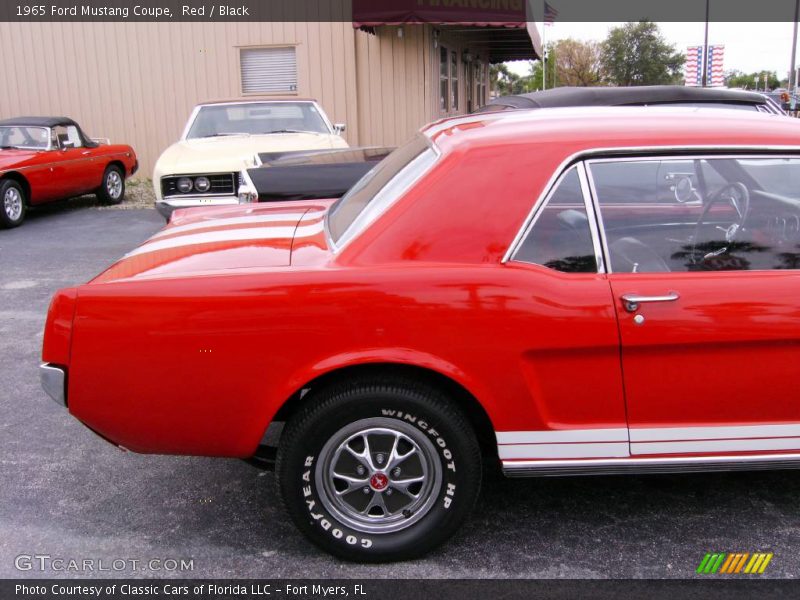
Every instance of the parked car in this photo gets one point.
(224, 137)
(563, 291)
(43, 159)
(308, 175)
(646, 95)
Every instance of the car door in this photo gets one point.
(566, 331)
(76, 165)
(708, 302)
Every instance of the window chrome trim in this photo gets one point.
(540, 207)
(598, 216)
(624, 153)
(595, 225)
(352, 233)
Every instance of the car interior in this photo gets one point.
(675, 215)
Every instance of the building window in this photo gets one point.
(454, 80)
(444, 79)
(482, 79)
(268, 70)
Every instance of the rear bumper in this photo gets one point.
(166, 206)
(54, 381)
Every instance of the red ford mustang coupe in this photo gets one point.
(564, 291)
(43, 159)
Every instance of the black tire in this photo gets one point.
(419, 418)
(13, 203)
(112, 189)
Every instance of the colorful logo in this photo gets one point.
(734, 563)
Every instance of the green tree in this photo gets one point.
(637, 54)
(506, 82)
(747, 81)
(577, 63)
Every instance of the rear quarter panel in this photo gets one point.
(201, 365)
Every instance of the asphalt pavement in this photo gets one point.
(66, 494)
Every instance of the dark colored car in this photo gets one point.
(308, 175)
(648, 95)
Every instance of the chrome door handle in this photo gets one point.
(86, 152)
(632, 301)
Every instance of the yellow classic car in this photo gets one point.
(222, 138)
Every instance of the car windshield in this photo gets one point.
(379, 188)
(257, 118)
(24, 136)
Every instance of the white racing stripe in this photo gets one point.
(562, 450)
(224, 222)
(715, 446)
(228, 235)
(661, 434)
(618, 434)
(613, 442)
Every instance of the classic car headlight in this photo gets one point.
(202, 184)
(184, 185)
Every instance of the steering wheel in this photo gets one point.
(736, 195)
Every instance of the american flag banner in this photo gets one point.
(550, 14)
(693, 67)
(716, 60)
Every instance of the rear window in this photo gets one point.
(379, 189)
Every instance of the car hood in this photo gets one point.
(221, 240)
(235, 152)
(13, 158)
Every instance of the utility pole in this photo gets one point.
(705, 49)
(793, 75)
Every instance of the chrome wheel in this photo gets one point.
(114, 184)
(12, 204)
(378, 475)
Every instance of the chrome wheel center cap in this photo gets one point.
(379, 482)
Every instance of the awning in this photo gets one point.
(503, 26)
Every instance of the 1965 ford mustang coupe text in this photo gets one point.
(562, 291)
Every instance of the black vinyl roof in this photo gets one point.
(39, 121)
(622, 96)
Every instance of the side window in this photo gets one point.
(444, 79)
(560, 237)
(727, 214)
(67, 137)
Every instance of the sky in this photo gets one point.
(749, 47)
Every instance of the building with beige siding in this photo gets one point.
(136, 82)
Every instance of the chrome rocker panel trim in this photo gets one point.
(619, 466)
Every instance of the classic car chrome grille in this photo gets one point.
(222, 184)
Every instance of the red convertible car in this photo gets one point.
(564, 291)
(43, 159)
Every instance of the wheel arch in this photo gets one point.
(473, 409)
(118, 163)
(22, 180)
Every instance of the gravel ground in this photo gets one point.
(69, 494)
(139, 194)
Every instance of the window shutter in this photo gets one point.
(268, 70)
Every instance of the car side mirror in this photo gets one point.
(67, 145)
(338, 128)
